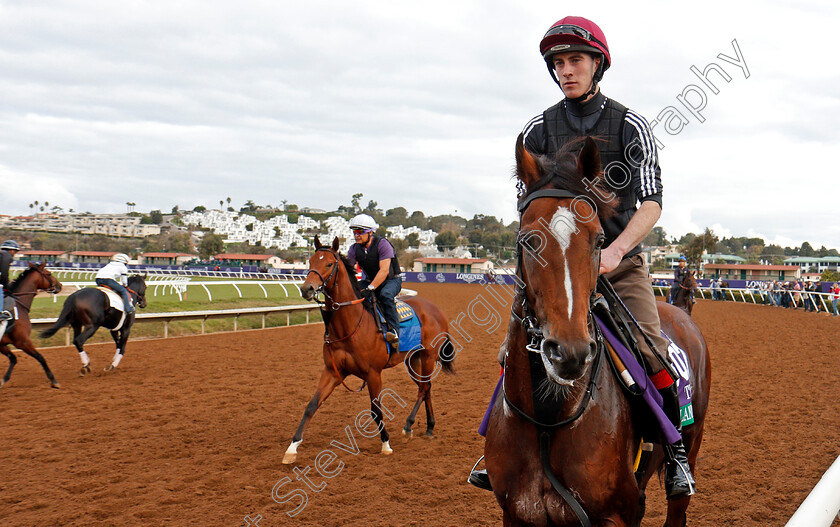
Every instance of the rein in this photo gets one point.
(535, 340)
(335, 306)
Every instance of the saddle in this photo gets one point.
(9, 305)
(116, 302)
(410, 327)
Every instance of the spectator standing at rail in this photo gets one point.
(382, 273)
(835, 298)
(8, 250)
(115, 276)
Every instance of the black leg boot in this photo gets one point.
(679, 482)
(479, 478)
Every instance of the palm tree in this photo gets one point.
(221, 204)
(228, 201)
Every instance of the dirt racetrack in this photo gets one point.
(191, 431)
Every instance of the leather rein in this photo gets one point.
(335, 306)
(534, 332)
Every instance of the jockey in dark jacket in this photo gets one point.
(7, 253)
(382, 273)
(679, 275)
(576, 54)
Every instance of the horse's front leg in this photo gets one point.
(27, 346)
(326, 385)
(120, 338)
(374, 381)
(4, 349)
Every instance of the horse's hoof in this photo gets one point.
(288, 459)
(429, 434)
(407, 434)
(2, 382)
(386, 449)
(85, 370)
(55, 385)
(109, 367)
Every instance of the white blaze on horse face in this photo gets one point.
(563, 226)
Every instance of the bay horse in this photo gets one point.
(88, 309)
(353, 344)
(564, 427)
(23, 289)
(684, 298)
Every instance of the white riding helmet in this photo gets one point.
(11, 245)
(120, 257)
(363, 221)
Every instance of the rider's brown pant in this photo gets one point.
(631, 281)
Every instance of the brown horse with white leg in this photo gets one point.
(562, 440)
(23, 289)
(353, 344)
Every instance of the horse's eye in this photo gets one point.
(599, 242)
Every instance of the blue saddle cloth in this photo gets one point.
(410, 328)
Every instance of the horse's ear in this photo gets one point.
(317, 242)
(335, 244)
(527, 169)
(32, 264)
(589, 161)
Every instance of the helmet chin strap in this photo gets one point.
(593, 87)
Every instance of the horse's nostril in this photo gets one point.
(592, 347)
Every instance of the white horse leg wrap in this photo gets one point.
(117, 358)
(84, 357)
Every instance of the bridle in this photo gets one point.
(52, 289)
(332, 305)
(323, 289)
(534, 332)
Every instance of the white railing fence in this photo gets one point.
(822, 506)
(754, 296)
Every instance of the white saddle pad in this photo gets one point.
(117, 303)
(113, 298)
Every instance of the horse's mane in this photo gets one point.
(14, 285)
(562, 172)
(351, 274)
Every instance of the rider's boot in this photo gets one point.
(479, 478)
(679, 482)
(5, 315)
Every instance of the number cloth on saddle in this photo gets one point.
(410, 328)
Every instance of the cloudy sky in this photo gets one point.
(414, 104)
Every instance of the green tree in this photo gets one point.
(354, 201)
(693, 250)
(656, 237)
(446, 240)
(806, 250)
(199, 208)
(156, 216)
(413, 239)
(830, 276)
(210, 245)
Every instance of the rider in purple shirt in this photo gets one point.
(382, 273)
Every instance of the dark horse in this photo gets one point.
(23, 289)
(684, 299)
(353, 345)
(590, 443)
(88, 309)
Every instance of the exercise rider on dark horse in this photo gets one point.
(89, 308)
(680, 274)
(576, 54)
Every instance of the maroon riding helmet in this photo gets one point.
(575, 33)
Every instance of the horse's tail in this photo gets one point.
(63, 320)
(446, 356)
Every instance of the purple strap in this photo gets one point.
(482, 428)
(649, 393)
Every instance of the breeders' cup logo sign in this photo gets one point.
(469, 277)
(440, 278)
(421, 277)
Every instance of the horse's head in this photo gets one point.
(46, 281)
(560, 241)
(324, 270)
(137, 284)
